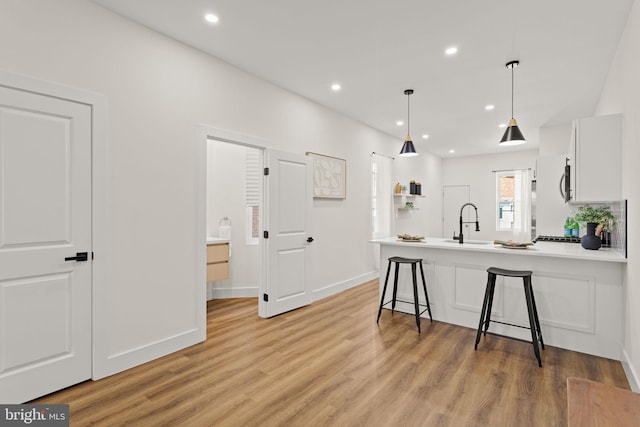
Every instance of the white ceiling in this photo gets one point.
(378, 48)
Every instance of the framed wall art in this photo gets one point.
(329, 176)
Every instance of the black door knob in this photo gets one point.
(310, 239)
(80, 256)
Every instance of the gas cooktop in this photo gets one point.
(562, 239)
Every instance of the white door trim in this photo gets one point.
(206, 133)
(99, 201)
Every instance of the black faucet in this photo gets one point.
(460, 238)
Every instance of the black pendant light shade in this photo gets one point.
(512, 135)
(408, 149)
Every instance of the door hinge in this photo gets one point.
(266, 171)
(265, 297)
(265, 234)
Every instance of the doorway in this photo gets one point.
(234, 214)
(284, 223)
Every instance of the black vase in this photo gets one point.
(590, 240)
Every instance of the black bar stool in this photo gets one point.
(534, 322)
(413, 262)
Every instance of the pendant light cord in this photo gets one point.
(408, 114)
(512, 67)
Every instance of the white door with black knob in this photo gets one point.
(289, 240)
(45, 244)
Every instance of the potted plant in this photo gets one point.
(598, 217)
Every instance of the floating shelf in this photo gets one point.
(408, 195)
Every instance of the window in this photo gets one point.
(381, 195)
(253, 182)
(513, 201)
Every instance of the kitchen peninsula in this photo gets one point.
(578, 292)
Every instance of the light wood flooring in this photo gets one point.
(330, 364)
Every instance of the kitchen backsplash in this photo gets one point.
(619, 232)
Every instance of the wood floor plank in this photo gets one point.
(330, 364)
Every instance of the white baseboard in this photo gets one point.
(336, 288)
(630, 372)
(137, 356)
(236, 292)
(318, 294)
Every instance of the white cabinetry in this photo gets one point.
(596, 158)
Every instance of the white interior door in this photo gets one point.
(287, 248)
(453, 197)
(45, 217)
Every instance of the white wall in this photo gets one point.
(226, 198)
(621, 94)
(426, 219)
(158, 92)
(554, 140)
(477, 172)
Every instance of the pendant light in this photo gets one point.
(408, 150)
(512, 136)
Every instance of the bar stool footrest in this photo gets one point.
(508, 337)
(508, 324)
(408, 302)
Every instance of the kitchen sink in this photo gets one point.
(471, 242)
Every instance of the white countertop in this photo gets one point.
(545, 249)
(216, 240)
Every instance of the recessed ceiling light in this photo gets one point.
(489, 107)
(336, 87)
(210, 17)
(502, 125)
(452, 151)
(425, 136)
(451, 50)
(399, 122)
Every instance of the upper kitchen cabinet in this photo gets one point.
(595, 153)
